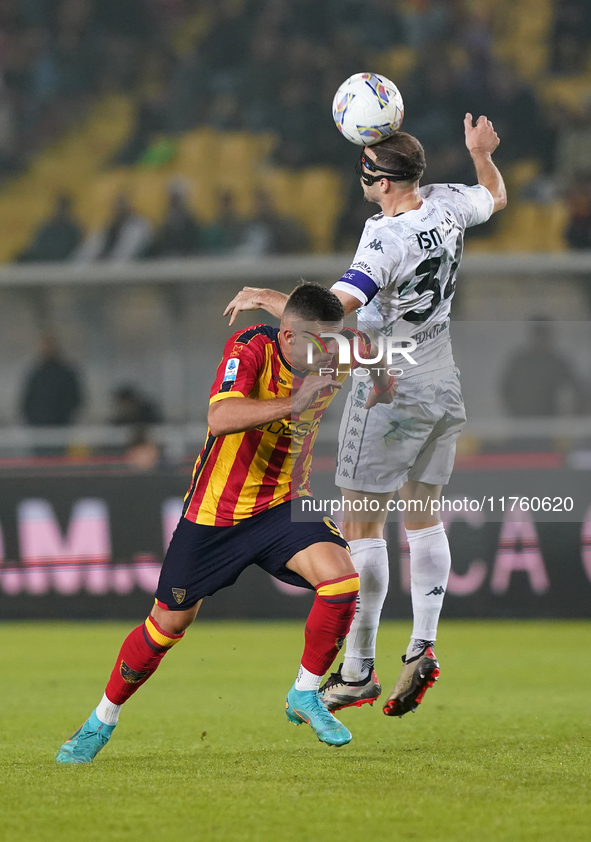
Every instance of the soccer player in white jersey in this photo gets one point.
(401, 284)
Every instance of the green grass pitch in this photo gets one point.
(499, 750)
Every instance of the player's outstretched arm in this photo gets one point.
(256, 298)
(481, 142)
(236, 415)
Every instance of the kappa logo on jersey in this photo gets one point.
(376, 245)
(231, 370)
(437, 591)
(455, 189)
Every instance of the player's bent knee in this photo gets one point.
(175, 622)
(320, 561)
(338, 566)
(339, 591)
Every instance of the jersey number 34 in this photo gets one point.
(437, 275)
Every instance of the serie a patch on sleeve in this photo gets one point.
(231, 370)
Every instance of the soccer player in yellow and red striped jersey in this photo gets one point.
(265, 407)
(240, 475)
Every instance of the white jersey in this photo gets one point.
(404, 270)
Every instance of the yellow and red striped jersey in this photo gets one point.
(241, 474)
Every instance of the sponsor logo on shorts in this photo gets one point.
(361, 393)
(333, 527)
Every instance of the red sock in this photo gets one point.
(139, 657)
(329, 622)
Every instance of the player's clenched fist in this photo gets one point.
(482, 136)
(382, 397)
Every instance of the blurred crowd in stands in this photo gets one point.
(54, 394)
(128, 235)
(539, 381)
(274, 65)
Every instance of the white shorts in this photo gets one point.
(413, 438)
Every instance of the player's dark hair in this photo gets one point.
(401, 151)
(314, 303)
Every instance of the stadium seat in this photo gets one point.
(212, 161)
(69, 164)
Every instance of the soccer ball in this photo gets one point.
(367, 108)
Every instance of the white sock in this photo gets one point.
(107, 712)
(307, 680)
(370, 560)
(430, 562)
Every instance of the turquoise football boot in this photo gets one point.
(85, 744)
(305, 706)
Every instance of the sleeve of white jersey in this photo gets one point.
(474, 205)
(375, 264)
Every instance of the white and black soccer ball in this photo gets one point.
(367, 108)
